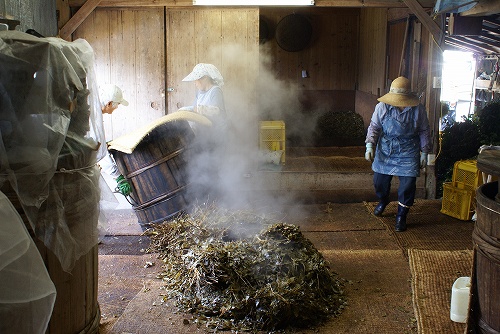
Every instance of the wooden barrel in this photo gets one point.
(157, 170)
(76, 309)
(485, 305)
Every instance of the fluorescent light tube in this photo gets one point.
(253, 2)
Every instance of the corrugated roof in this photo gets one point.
(483, 42)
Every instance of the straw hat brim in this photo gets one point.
(400, 100)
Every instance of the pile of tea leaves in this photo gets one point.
(234, 270)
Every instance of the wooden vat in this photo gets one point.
(157, 171)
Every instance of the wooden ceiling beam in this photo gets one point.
(189, 3)
(475, 44)
(77, 19)
(136, 3)
(457, 45)
(483, 7)
(436, 32)
(491, 38)
(491, 30)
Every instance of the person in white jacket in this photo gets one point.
(111, 96)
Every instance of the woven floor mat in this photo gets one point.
(427, 227)
(433, 274)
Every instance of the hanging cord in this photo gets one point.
(440, 136)
(129, 198)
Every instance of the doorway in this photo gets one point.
(457, 85)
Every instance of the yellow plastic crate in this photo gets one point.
(457, 202)
(466, 175)
(272, 137)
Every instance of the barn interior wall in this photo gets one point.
(352, 57)
(32, 14)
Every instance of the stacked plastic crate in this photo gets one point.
(459, 195)
(272, 137)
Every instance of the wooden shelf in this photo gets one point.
(485, 84)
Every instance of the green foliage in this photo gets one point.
(340, 128)
(489, 123)
(461, 141)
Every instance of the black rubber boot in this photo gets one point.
(379, 209)
(401, 218)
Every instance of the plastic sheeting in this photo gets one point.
(27, 294)
(50, 134)
(453, 6)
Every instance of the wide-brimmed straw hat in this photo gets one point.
(400, 94)
(201, 70)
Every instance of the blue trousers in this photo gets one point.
(406, 190)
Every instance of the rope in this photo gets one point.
(62, 170)
(486, 244)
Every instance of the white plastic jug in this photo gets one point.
(460, 294)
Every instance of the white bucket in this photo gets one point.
(460, 294)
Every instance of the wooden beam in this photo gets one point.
(77, 19)
(63, 13)
(474, 44)
(458, 45)
(483, 7)
(137, 3)
(368, 3)
(426, 20)
(189, 3)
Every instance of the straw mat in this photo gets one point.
(427, 227)
(433, 274)
(129, 142)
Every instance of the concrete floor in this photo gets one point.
(360, 249)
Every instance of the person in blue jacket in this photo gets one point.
(398, 143)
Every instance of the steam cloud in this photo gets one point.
(237, 184)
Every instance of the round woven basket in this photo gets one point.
(293, 33)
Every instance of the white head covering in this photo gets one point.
(111, 93)
(201, 70)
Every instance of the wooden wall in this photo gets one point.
(372, 61)
(228, 39)
(32, 14)
(331, 57)
(350, 60)
(372, 50)
(129, 51)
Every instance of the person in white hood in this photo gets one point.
(111, 96)
(210, 148)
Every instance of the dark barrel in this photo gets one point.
(485, 307)
(157, 170)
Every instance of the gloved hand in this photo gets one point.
(123, 186)
(423, 159)
(370, 152)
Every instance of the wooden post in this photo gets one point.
(77, 19)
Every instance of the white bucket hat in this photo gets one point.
(400, 95)
(201, 70)
(111, 93)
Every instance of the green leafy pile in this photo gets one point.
(238, 271)
(340, 128)
(459, 142)
(489, 123)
